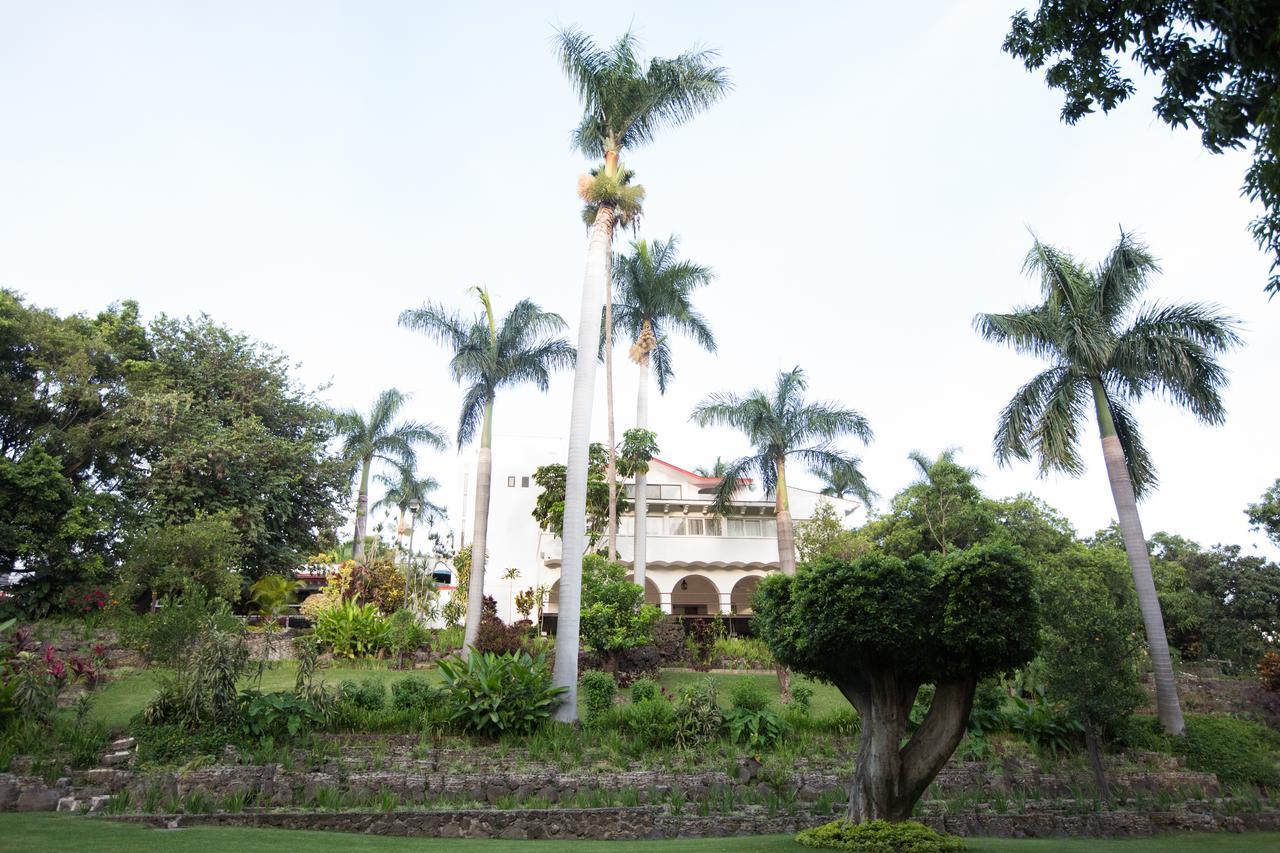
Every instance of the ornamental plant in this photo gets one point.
(879, 836)
(353, 630)
(614, 614)
(493, 695)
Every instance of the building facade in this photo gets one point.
(699, 562)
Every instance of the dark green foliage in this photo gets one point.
(548, 508)
(167, 559)
(599, 691)
(414, 694)
(493, 695)
(278, 717)
(406, 635)
(879, 836)
(988, 707)
(644, 688)
(972, 612)
(1217, 62)
(174, 743)
(749, 719)
(651, 723)
(369, 694)
(1265, 514)
(1237, 751)
(699, 717)
(1043, 724)
(204, 689)
(614, 614)
(166, 635)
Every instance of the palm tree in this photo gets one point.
(845, 481)
(1106, 350)
(782, 425)
(403, 490)
(716, 470)
(654, 297)
(377, 438)
(486, 357)
(625, 104)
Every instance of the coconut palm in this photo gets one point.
(402, 490)
(625, 104)
(780, 425)
(1107, 350)
(654, 298)
(715, 470)
(377, 438)
(488, 356)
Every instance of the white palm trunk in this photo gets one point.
(480, 536)
(362, 511)
(575, 486)
(641, 548)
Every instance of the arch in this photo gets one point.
(743, 592)
(553, 599)
(651, 593)
(695, 595)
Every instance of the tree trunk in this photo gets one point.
(1095, 761)
(890, 778)
(480, 536)
(362, 510)
(786, 529)
(1135, 545)
(612, 472)
(640, 554)
(575, 487)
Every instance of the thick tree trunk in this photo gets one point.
(890, 778)
(480, 537)
(640, 554)
(1095, 761)
(1168, 708)
(362, 510)
(575, 487)
(612, 472)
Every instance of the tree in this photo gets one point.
(879, 627)
(167, 560)
(824, 535)
(526, 347)
(614, 614)
(1265, 514)
(655, 299)
(1106, 350)
(844, 481)
(548, 507)
(779, 425)
(377, 438)
(406, 489)
(716, 469)
(941, 511)
(1218, 62)
(625, 105)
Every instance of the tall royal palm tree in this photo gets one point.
(625, 104)
(1106, 350)
(782, 425)
(487, 356)
(843, 481)
(378, 438)
(654, 299)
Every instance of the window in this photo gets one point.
(627, 526)
(524, 482)
(511, 482)
(771, 528)
(677, 525)
(750, 527)
(714, 526)
(735, 527)
(629, 490)
(669, 492)
(653, 525)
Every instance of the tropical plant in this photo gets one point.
(375, 580)
(879, 836)
(548, 506)
(271, 596)
(353, 630)
(779, 425)
(410, 494)
(1107, 350)
(625, 105)
(377, 438)
(526, 347)
(654, 291)
(279, 716)
(493, 695)
(614, 614)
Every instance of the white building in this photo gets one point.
(699, 563)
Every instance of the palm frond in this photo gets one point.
(472, 413)
(1056, 435)
(1123, 276)
(734, 472)
(840, 471)
(1016, 427)
(1142, 471)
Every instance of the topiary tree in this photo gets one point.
(879, 627)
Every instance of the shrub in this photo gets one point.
(179, 621)
(1043, 724)
(273, 717)
(497, 637)
(414, 694)
(746, 694)
(1237, 751)
(651, 723)
(374, 581)
(368, 695)
(668, 638)
(879, 836)
(405, 635)
(644, 688)
(599, 691)
(698, 715)
(751, 721)
(741, 653)
(493, 695)
(353, 630)
(614, 614)
(204, 691)
(637, 662)
(1269, 671)
(315, 604)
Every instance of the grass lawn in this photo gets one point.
(125, 696)
(41, 833)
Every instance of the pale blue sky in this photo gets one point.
(303, 171)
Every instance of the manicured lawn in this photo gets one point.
(41, 833)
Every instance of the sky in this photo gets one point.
(303, 171)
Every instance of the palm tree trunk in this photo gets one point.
(575, 487)
(786, 529)
(480, 536)
(640, 554)
(1135, 545)
(362, 510)
(612, 472)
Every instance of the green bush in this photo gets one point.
(353, 630)
(741, 652)
(644, 688)
(698, 715)
(598, 692)
(277, 717)
(1236, 751)
(747, 694)
(205, 689)
(178, 623)
(414, 694)
(651, 723)
(405, 635)
(368, 695)
(879, 836)
(493, 695)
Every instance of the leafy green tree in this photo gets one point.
(941, 511)
(655, 300)
(1219, 65)
(548, 507)
(779, 425)
(879, 627)
(614, 614)
(1265, 514)
(378, 438)
(526, 347)
(625, 104)
(205, 552)
(824, 535)
(1107, 351)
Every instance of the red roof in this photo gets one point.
(692, 475)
